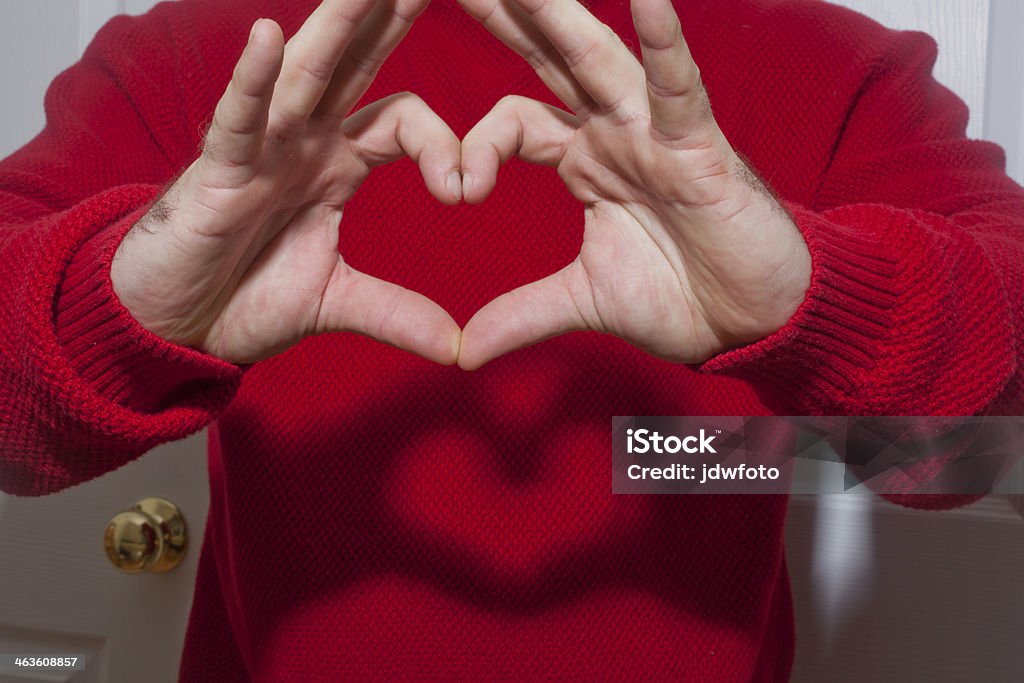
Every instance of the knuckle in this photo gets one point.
(220, 123)
(363, 64)
(242, 88)
(316, 69)
(504, 104)
(578, 54)
(509, 104)
(667, 90)
(539, 55)
(409, 100)
(541, 6)
(284, 126)
(688, 85)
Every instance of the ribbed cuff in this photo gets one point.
(827, 349)
(122, 361)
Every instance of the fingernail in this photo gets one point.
(467, 183)
(455, 184)
(252, 32)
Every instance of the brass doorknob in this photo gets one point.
(149, 537)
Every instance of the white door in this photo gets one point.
(882, 593)
(58, 592)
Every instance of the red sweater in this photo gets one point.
(465, 526)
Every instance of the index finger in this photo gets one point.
(675, 93)
(235, 137)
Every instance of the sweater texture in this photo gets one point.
(374, 516)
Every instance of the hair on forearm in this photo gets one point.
(160, 212)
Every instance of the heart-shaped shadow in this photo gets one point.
(490, 491)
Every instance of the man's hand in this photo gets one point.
(240, 257)
(685, 253)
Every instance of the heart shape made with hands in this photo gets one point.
(685, 252)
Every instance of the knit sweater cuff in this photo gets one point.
(905, 315)
(825, 350)
(119, 359)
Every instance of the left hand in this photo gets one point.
(685, 252)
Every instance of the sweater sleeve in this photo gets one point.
(917, 242)
(84, 388)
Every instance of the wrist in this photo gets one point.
(111, 355)
(145, 276)
(126, 272)
(758, 293)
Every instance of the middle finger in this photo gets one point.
(378, 36)
(510, 25)
(311, 57)
(594, 54)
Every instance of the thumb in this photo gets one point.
(555, 305)
(357, 302)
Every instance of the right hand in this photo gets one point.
(239, 258)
